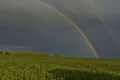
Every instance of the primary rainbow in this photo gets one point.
(49, 6)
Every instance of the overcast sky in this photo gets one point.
(76, 6)
(28, 24)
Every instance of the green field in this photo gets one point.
(41, 66)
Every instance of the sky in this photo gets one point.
(30, 25)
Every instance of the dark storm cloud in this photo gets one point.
(84, 13)
(30, 13)
(83, 7)
(27, 24)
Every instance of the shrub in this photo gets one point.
(58, 55)
(7, 53)
(1, 52)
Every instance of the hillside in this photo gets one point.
(41, 66)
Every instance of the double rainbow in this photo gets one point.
(49, 6)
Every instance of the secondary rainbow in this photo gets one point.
(97, 13)
(49, 6)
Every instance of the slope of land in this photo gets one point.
(41, 66)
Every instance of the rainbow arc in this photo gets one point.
(49, 6)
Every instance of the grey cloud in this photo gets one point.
(87, 7)
(28, 23)
(30, 12)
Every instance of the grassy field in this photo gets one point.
(41, 66)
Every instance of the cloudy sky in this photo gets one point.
(30, 25)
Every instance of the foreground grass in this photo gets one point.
(39, 66)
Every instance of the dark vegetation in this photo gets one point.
(67, 74)
(42, 66)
